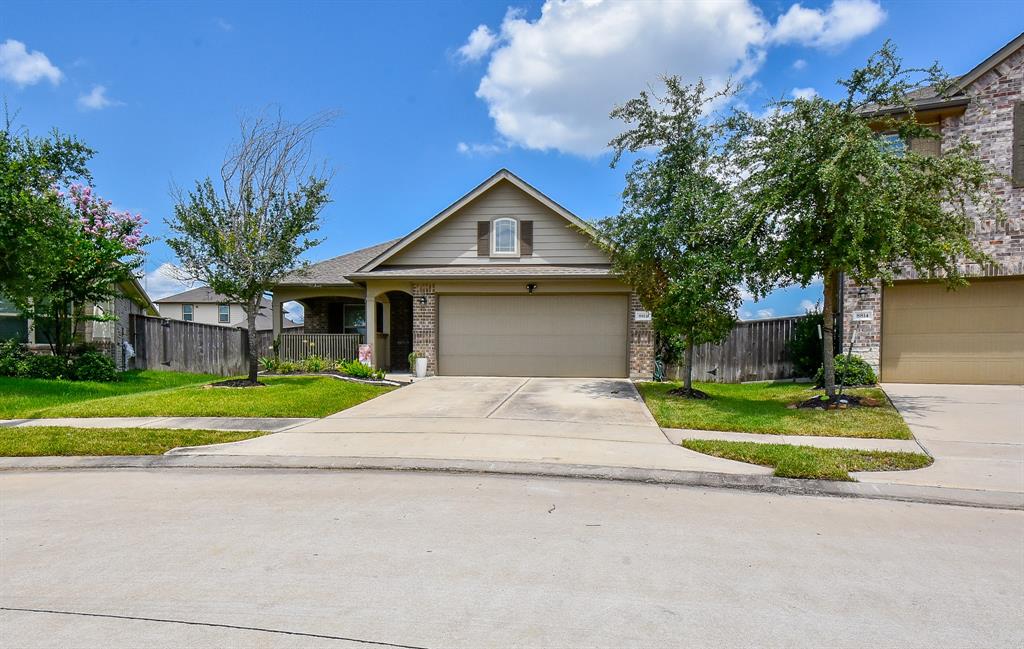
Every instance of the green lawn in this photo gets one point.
(56, 440)
(146, 394)
(807, 461)
(761, 408)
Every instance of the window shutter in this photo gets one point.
(1018, 144)
(526, 238)
(483, 238)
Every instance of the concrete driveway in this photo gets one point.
(553, 420)
(975, 433)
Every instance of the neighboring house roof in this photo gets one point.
(335, 271)
(486, 270)
(500, 175)
(265, 321)
(134, 290)
(924, 99)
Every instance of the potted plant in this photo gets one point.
(418, 363)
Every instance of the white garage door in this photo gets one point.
(533, 335)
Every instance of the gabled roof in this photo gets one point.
(133, 289)
(928, 98)
(335, 271)
(198, 295)
(488, 271)
(501, 175)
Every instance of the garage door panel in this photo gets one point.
(972, 335)
(533, 335)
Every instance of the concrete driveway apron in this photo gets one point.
(554, 420)
(974, 432)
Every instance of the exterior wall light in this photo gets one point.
(862, 292)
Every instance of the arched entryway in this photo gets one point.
(400, 330)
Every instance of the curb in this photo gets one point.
(759, 483)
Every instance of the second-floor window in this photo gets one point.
(224, 313)
(186, 312)
(505, 237)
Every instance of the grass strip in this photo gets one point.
(33, 441)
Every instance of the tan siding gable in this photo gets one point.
(454, 241)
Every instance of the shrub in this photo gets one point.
(93, 366)
(359, 370)
(285, 367)
(38, 366)
(854, 371)
(270, 363)
(314, 363)
(12, 357)
(805, 346)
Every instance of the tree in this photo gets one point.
(673, 240)
(79, 250)
(64, 248)
(241, 239)
(29, 168)
(825, 195)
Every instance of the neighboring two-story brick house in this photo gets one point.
(917, 331)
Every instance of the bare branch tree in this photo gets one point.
(241, 240)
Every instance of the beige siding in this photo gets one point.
(454, 241)
(533, 335)
(201, 313)
(972, 335)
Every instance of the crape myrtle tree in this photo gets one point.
(65, 248)
(243, 234)
(825, 195)
(674, 239)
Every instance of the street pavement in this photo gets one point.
(263, 558)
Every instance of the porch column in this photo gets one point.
(371, 327)
(276, 309)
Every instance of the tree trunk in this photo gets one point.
(831, 281)
(688, 363)
(251, 322)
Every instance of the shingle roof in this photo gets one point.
(486, 270)
(335, 270)
(198, 295)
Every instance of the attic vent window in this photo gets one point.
(506, 237)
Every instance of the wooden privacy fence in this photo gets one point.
(756, 350)
(295, 347)
(177, 346)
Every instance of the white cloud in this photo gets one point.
(551, 82)
(224, 25)
(479, 43)
(166, 279)
(804, 93)
(799, 64)
(808, 305)
(479, 149)
(97, 99)
(765, 313)
(842, 22)
(26, 68)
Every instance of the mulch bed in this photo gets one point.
(238, 383)
(692, 393)
(838, 402)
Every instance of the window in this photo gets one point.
(186, 312)
(893, 142)
(224, 313)
(354, 319)
(505, 237)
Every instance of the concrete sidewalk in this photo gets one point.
(677, 435)
(263, 424)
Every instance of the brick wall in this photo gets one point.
(641, 343)
(424, 324)
(988, 123)
(315, 316)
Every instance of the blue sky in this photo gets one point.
(427, 111)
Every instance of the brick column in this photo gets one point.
(868, 344)
(424, 324)
(641, 343)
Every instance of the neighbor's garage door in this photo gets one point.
(532, 335)
(972, 335)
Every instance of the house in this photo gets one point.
(107, 335)
(502, 282)
(204, 306)
(916, 331)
